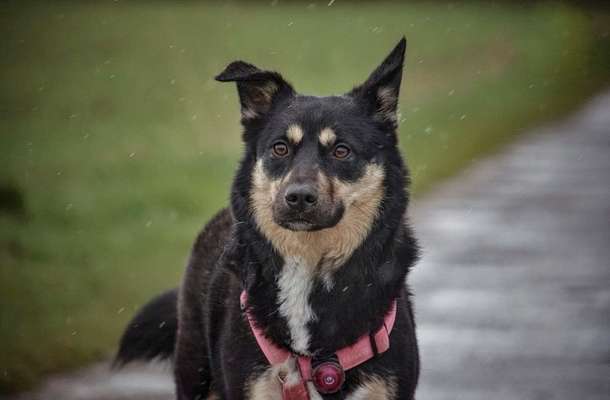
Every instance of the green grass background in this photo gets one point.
(121, 144)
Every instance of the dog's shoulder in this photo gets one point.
(207, 250)
(214, 235)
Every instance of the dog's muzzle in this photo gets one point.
(301, 207)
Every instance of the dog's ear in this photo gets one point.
(379, 94)
(258, 90)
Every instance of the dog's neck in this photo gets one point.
(319, 308)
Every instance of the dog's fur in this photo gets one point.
(317, 238)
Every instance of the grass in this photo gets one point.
(117, 144)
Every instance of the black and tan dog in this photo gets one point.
(316, 245)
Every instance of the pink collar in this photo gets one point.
(365, 348)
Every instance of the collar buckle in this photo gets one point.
(328, 377)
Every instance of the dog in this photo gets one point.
(298, 290)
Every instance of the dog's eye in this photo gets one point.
(280, 149)
(341, 152)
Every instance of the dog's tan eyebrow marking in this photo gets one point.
(327, 137)
(294, 133)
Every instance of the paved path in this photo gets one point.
(99, 382)
(513, 293)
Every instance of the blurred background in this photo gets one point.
(117, 144)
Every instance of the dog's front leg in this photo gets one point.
(191, 367)
(191, 371)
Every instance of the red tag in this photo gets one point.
(328, 377)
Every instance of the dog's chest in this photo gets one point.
(295, 282)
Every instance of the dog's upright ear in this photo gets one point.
(258, 90)
(379, 93)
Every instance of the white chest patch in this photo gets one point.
(295, 283)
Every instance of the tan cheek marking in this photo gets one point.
(263, 194)
(375, 388)
(294, 134)
(327, 137)
(362, 201)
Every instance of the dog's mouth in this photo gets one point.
(309, 222)
(298, 225)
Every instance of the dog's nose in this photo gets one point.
(300, 197)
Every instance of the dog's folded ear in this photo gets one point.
(379, 93)
(258, 90)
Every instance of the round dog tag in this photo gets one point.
(328, 377)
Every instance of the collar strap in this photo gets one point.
(365, 348)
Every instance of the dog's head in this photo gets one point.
(317, 164)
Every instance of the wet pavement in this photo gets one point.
(513, 291)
